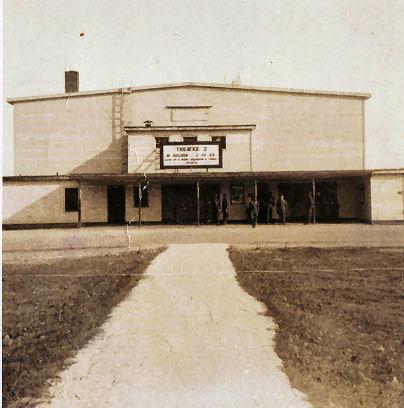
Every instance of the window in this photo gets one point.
(145, 195)
(190, 113)
(190, 139)
(221, 140)
(71, 199)
(160, 141)
(236, 194)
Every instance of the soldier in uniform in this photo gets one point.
(282, 209)
(309, 208)
(255, 207)
(249, 206)
(217, 210)
(270, 206)
(225, 209)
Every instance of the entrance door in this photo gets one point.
(296, 196)
(179, 203)
(327, 207)
(262, 196)
(207, 194)
(116, 204)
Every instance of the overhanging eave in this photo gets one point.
(174, 176)
(151, 129)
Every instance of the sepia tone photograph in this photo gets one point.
(203, 203)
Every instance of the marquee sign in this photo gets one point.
(190, 155)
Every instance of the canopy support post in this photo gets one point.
(198, 207)
(313, 191)
(140, 203)
(79, 206)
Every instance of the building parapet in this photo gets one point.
(191, 85)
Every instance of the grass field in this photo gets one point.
(340, 331)
(48, 318)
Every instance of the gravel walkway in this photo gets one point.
(187, 336)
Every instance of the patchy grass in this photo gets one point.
(340, 332)
(47, 319)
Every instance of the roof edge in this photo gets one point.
(359, 95)
(170, 128)
(388, 171)
(273, 174)
(308, 173)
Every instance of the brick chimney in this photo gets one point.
(71, 81)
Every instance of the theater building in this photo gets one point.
(160, 154)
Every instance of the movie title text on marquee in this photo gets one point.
(190, 155)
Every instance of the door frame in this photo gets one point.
(121, 189)
(169, 204)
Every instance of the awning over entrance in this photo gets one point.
(195, 189)
(176, 177)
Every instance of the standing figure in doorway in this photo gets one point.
(254, 211)
(334, 208)
(270, 206)
(225, 209)
(282, 209)
(217, 210)
(309, 208)
(249, 207)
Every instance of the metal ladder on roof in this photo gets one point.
(117, 115)
(118, 127)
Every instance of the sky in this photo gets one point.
(344, 45)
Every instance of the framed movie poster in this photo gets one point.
(236, 194)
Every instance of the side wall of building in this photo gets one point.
(69, 135)
(152, 213)
(94, 204)
(378, 199)
(36, 203)
(387, 197)
(44, 203)
(293, 131)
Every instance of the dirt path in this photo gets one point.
(28, 243)
(188, 335)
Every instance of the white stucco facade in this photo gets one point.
(271, 140)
